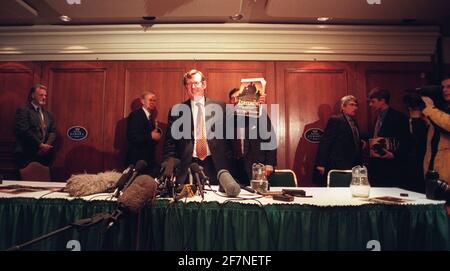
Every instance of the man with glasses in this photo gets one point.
(196, 131)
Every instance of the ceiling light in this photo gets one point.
(149, 18)
(65, 18)
(237, 17)
(323, 19)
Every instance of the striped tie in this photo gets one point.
(42, 123)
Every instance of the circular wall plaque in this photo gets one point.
(77, 133)
(313, 135)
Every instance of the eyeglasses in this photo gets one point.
(195, 84)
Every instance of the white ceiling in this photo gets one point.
(387, 12)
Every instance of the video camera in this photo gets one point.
(414, 101)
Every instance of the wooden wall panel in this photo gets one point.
(396, 77)
(16, 78)
(225, 75)
(78, 99)
(309, 93)
(100, 95)
(165, 79)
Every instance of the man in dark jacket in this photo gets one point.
(143, 134)
(248, 150)
(35, 130)
(196, 131)
(340, 146)
(389, 142)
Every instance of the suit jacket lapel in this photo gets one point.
(34, 114)
(348, 127)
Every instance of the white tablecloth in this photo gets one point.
(321, 196)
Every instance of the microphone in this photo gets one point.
(134, 197)
(199, 169)
(167, 177)
(80, 185)
(126, 175)
(195, 169)
(140, 166)
(228, 183)
(168, 167)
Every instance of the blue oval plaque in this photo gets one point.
(313, 135)
(77, 133)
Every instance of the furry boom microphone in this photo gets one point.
(134, 197)
(81, 185)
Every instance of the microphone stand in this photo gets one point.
(80, 224)
(200, 187)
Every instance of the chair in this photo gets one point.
(283, 178)
(35, 171)
(339, 178)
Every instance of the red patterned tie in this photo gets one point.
(200, 137)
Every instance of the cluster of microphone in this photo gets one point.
(167, 179)
(200, 179)
(134, 189)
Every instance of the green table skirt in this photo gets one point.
(231, 226)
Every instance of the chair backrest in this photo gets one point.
(283, 177)
(35, 171)
(339, 178)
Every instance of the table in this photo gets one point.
(330, 220)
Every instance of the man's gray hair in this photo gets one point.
(347, 99)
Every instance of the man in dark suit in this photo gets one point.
(248, 149)
(35, 130)
(143, 134)
(196, 132)
(340, 146)
(387, 166)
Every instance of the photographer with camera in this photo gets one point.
(437, 153)
(418, 128)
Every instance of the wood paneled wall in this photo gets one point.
(100, 95)
(16, 78)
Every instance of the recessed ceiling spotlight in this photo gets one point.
(65, 18)
(323, 19)
(237, 17)
(149, 18)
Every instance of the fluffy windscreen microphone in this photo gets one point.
(142, 190)
(228, 183)
(138, 193)
(168, 167)
(81, 185)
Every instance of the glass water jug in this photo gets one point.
(259, 181)
(360, 186)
